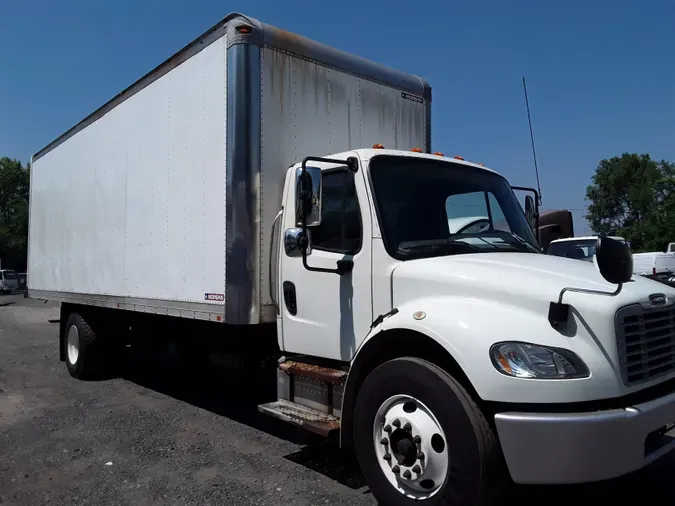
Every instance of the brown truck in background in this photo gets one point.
(554, 224)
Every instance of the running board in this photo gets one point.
(308, 395)
(301, 416)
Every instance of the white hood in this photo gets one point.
(528, 281)
(528, 277)
(478, 299)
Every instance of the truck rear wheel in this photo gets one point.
(419, 437)
(81, 348)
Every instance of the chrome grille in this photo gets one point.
(646, 342)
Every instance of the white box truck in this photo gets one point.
(225, 201)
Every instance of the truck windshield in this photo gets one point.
(434, 207)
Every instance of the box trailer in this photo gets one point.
(162, 200)
(230, 202)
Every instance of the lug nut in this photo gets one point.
(417, 469)
(417, 440)
(387, 457)
(407, 427)
(384, 441)
(387, 428)
(395, 469)
(420, 456)
(407, 475)
(396, 423)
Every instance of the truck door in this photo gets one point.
(325, 314)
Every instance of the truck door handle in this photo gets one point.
(289, 297)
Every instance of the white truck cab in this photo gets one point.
(474, 330)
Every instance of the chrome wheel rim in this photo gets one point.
(73, 344)
(411, 447)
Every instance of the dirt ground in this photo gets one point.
(157, 436)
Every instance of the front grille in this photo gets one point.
(646, 342)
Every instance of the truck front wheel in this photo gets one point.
(419, 437)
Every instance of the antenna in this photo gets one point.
(534, 152)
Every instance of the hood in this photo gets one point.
(528, 280)
(510, 294)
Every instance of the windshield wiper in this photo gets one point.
(523, 242)
(450, 245)
(501, 234)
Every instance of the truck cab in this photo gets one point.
(437, 326)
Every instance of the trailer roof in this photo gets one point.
(270, 36)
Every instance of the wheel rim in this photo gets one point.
(411, 447)
(73, 344)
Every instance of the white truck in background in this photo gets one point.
(655, 265)
(225, 202)
(578, 248)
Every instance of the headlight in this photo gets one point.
(524, 360)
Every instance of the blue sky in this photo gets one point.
(600, 74)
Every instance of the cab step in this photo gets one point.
(308, 395)
(306, 418)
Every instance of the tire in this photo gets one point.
(81, 349)
(474, 472)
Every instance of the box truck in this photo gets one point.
(262, 195)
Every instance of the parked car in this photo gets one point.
(8, 281)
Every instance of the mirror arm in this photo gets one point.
(558, 312)
(616, 292)
(343, 266)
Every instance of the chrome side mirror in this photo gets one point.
(292, 244)
(308, 196)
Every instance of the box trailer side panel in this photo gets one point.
(133, 204)
(312, 109)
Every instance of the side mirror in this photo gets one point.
(530, 211)
(308, 196)
(615, 263)
(614, 260)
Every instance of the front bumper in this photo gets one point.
(565, 448)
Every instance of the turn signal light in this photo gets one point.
(378, 146)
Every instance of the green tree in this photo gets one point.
(14, 189)
(633, 196)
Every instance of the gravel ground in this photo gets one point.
(156, 436)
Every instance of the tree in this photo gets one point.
(633, 196)
(14, 189)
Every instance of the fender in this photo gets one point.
(458, 332)
(395, 334)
